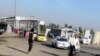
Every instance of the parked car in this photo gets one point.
(86, 40)
(60, 42)
(3, 27)
(1, 30)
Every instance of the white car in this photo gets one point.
(60, 42)
(1, 31)
(86, 40)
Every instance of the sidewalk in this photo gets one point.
(11, 45)
(92, 49)
(92, 46)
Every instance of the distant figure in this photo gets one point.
(74, 45)
(12, 28)
(30, 40)
(24, 32)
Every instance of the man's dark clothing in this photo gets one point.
(71, 50)
(24, 32)
(12, 28)
(30, 40)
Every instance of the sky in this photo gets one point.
(84, 13)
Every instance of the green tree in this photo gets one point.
(92, 31)
(57, 26)
(70, 27)
(75, 29)
(80, 29)
(52, 26)
(66, 25)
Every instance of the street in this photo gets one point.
(14, 46)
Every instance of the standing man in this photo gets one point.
(30, 40)
(77, 45)
(74, 45)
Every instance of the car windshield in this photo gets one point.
(41, 34)
(62, 39)
(56, 32)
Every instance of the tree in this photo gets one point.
(69, 26)
(92, 31)
(66, 25)
(80, 29)
(75, 29)
(57, 26)
(52, 26)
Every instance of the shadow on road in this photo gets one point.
(50, 46)
(5, 55)
(97, 55)
(50, 53)
(2, 40)
(17, 49)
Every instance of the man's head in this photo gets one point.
(76, 35)
(32, 29)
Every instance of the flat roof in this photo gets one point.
(25, 18)
(20, 18)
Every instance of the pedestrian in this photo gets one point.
(74, 45)
(30, 40)
(24, 33)
(12, 29)
(77, 45)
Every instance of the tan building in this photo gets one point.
(19, 22)
(96, 39)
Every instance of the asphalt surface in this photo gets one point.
(14, 46)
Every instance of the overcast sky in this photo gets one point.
(85, 13)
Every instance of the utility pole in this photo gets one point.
(14, 12)
(14, 8)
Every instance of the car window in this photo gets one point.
(62, 39)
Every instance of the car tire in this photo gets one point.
(52, 44)
(55, 45)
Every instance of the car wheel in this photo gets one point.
(52, 44)
(55, 45)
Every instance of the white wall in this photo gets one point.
(96, 39)
(87, 33)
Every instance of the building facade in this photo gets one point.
(96, 39)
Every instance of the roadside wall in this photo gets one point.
(96, 39)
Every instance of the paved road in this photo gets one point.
(91, 50)
(92, 46)
(14, 46)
